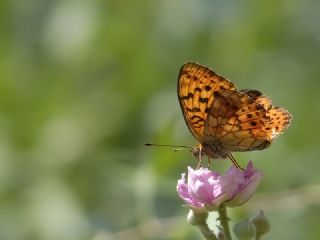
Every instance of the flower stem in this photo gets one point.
(224, 221)
(206, 232)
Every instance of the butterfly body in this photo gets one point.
(213, 151)
(223, 119)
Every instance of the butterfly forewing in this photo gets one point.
(196, 91)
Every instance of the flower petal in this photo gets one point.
(247, 189)
(182, 189)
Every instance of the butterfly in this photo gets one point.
(223, 119)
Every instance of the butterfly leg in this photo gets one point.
(209, 162)
(200, 157)
(234, 161)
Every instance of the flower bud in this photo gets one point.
(261, 223)
(197, 219)
(244, 230)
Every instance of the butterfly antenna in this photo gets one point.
(234, 161)
(168, 145)
(179, 149)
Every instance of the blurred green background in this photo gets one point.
(84, 84)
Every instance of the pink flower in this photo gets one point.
(206, 190)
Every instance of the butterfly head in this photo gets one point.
(197, 151)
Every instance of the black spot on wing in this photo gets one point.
(195, 109)
(203, 100)
(197, 89)
(190, 95)
(207, 88)
(253, 123)
(216, 94)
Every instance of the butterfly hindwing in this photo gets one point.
(239, 122)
